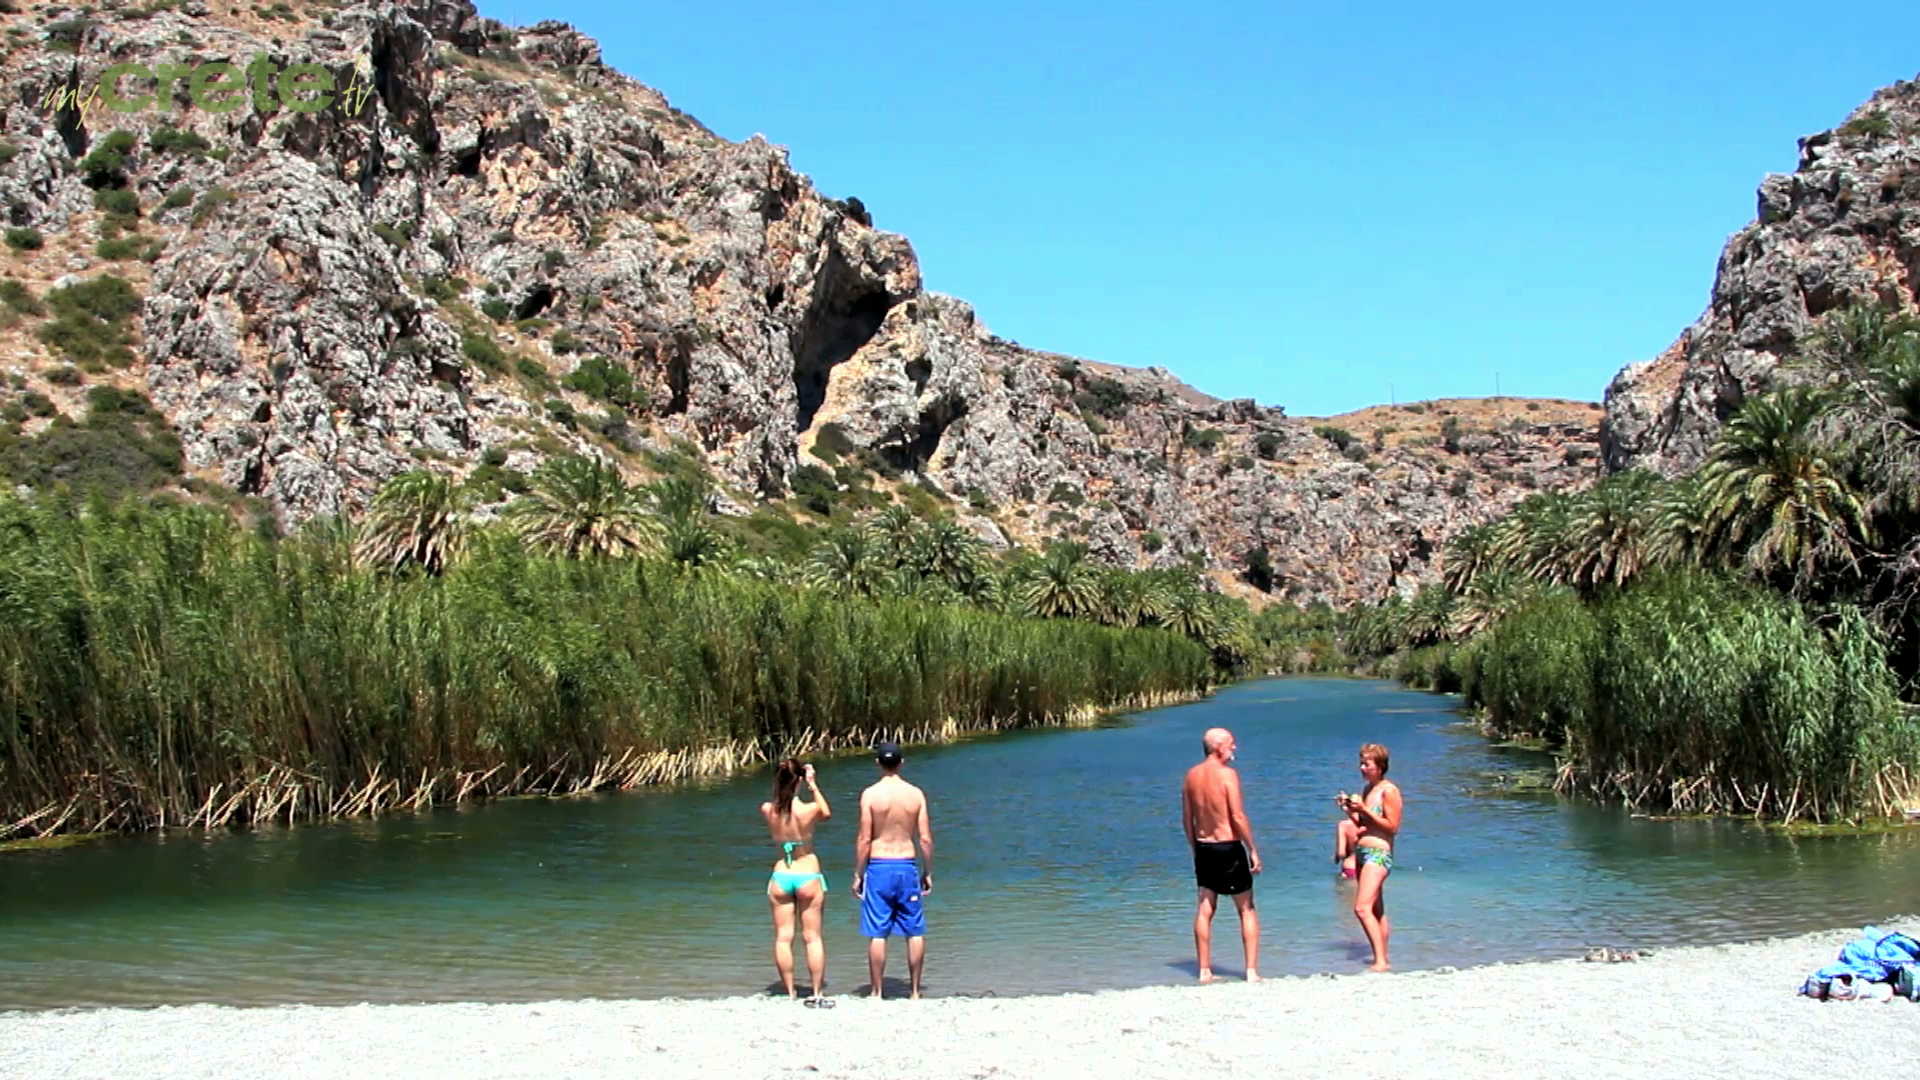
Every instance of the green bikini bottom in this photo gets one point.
(790, 883)
(1380, 857)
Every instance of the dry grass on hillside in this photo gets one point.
(1422, 420)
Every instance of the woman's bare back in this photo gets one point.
(796, 829)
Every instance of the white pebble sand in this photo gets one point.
(1716, 1011)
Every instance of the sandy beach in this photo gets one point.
(1715, 1011)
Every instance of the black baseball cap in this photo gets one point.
(888, 752)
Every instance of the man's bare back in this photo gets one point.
(893, 821)
(1224, 857)
(1205, 793)
(893, 810)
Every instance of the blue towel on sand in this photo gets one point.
(1872, 957)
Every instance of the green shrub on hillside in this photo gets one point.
(483, 352)
(603, 380)
(19, 297)
(122, 446)
(105, 166)
(1340, 437)
(90, 323)
(170, 140)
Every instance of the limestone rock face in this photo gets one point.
(412, 275)
(1843, 227)
(284, 341)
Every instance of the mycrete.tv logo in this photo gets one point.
(214, 87)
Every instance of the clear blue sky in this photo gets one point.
(1310, 205)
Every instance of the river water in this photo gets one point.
(1060, 866)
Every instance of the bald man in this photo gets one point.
(1224, 858)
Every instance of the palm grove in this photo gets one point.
(1739, 639)
(167, 665)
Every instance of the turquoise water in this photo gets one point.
(1060, 866)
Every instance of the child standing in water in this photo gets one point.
(1344, 837)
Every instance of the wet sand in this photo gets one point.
(1720, 1011)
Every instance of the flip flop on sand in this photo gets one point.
(818, 1002)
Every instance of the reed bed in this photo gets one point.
(1698, 693)
(162, 666)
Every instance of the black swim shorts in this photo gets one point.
(1221, 866)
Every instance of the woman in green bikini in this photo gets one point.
(798, 890)
(1377, 814)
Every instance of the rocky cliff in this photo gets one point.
(474, 266)
(1844, 226)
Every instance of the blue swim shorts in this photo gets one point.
(891, 903)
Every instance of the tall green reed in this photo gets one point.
(161, 665)
(1699, 692)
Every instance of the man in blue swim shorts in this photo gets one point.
(885, 877)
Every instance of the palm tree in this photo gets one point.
(1062, 584)
(896, 530)
(686, 539)
(679, 497)
(1537, 537)
(1776, 495)
(909, 583)
(764, 568)
(1511, 539)
(1469, 554)
(1230, 633)
(417, 517)
(689, 543)
(1188, 612)
(1128, 599)
(1490, 597)
(1871, 358)
(1611, 530)
(1428, 617)
(1852, 344)
(581, 507)
(849, 561)
(1680, 531)
(946, 550)
(985, 588)
(1371, 629)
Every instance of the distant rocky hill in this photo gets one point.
(1842, 227)
(513, 251)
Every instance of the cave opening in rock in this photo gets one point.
(69, 122)
(679, 374)
(536, 302)
(835, 332)
(944, 416)
(467, 162)
(398, 79)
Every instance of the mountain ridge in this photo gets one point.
(1843, 227)
(515, 251)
